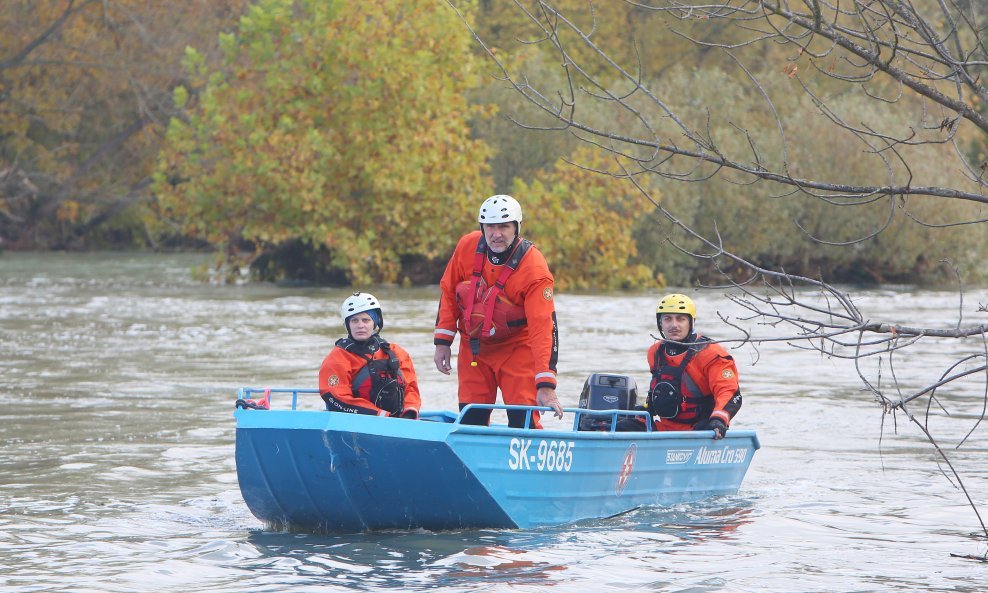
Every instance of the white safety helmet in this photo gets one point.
(499, 208)
(360, 302)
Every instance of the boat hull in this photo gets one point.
(335, 472)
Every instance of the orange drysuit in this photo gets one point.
(709, 386)
(521, 355)
(346, 389)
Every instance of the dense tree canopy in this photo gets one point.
(346, 127)
(357, 151)
(85, 93)
(582, 222)
(680, 94)
(343, 125)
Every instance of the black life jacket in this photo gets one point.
(672, 393)
(380, 380)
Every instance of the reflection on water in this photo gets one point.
(117, 474)
(458, 559)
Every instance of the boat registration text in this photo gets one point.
(545, 456)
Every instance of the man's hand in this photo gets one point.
(715, 424)
(442, 358)
(546, 396)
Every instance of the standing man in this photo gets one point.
(694, 381)
(497, 292)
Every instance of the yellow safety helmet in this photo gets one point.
(675, 303)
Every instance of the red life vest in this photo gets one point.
(485, 313)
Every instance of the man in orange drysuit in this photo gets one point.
(704, 397)
(363, 373)
(497, 292)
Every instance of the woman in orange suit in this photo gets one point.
(364, 374)
(497, 293)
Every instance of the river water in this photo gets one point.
(117, 465)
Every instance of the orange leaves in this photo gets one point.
(88, 85)
(68, 211)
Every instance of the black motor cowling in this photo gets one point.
(603, 391)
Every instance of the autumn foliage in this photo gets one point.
(359, 139)
(85, 93)
(584, 222)
(343, 125)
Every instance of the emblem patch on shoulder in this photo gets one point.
(547, 294)
(727, 373)
(334, 380)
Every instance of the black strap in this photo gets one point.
(366, 348)
(393, 363)
(698, 344)
(660, 361)
(519, 252)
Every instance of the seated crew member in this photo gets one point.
(694, 382)
(363, 373)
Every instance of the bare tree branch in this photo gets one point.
(43, 36)
(925, 61)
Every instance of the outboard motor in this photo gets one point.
(606, 392)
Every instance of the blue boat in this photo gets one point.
(319, 471)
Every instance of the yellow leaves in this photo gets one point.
(88, 96)
(180, 96)
(68, 211)
(582, 222)
(368, 167)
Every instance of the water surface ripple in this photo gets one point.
(118, 379)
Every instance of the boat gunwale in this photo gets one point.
(451, 420)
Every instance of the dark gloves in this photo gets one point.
(715, 424)
(410, 414)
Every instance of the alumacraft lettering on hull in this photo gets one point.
(329, 471)
(724, 454)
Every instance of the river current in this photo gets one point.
(118, 375)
